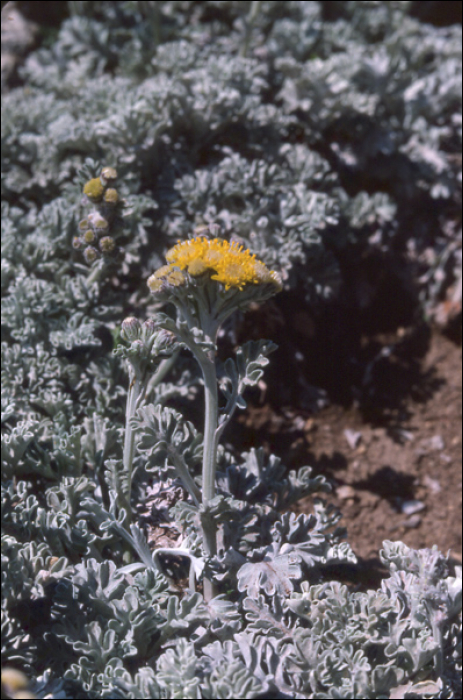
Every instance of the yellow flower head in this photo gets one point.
(94, 189)
(230, 264)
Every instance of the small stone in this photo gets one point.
(432, 444)
(432, 484)
(345, 492)
(412, 522)
(411, 507)
(353, 438)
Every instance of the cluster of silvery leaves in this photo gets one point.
(90, 610)
(87, 610)
(320, 137)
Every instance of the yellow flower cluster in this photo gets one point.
(230, 264)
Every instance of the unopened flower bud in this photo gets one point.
(166, 338)
(89, 236)
(150, 326)
(111, 196)
(108, 174)
(98, 223)
(90, 254)
(107, 245)
(131, 328)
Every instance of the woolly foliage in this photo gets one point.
(316, 137)
(281, 126)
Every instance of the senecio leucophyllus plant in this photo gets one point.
(314, 133)
(316, 639)
(207, 279)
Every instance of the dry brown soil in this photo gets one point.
(398, 478)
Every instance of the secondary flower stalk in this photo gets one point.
(97, 231)
(150, 349)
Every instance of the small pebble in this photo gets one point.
(411, 507)
(353, 438)
(413, 521)
(434, 443)
(432, 484)
(345, 492)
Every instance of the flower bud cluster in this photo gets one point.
(147, 341)
(94, 237)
